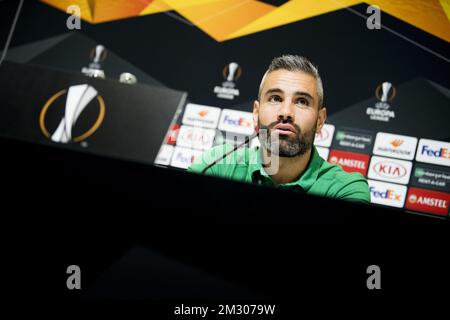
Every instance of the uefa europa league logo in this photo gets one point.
(386, 87)
(231, 73)
(98, 55)
(78, 98)
(385, 93)
(233, 70)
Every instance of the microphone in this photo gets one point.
(246, 141)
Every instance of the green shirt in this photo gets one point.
(320, 177)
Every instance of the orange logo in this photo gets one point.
(396, 143)
(202, 113)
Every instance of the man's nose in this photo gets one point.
(286, 111)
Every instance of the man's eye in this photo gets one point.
(303, 101)
(274, 99)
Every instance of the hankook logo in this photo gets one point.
(78, 98)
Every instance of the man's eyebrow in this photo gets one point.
(297, 93)
(273, 90)
(304, 93)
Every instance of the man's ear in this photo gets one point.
(321, 119)
(255, 114)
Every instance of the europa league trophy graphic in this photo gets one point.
(228, 90)
(94, 70)
(385, 87)
(234, 72)
(232, 67)
(387, 94)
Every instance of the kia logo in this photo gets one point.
(195, 136)
(390, 169)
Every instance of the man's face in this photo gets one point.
(288, 109)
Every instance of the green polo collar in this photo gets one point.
(306, 180)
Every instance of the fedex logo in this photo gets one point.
(440, 153)
(387, 194)
(432, 151)
(236, 121)
(240, 122)
(183, 157)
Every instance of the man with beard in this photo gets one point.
(287, 114)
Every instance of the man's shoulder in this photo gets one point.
(335, 172)
(345, 185)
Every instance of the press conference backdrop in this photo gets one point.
(386, 90)
(404, 171)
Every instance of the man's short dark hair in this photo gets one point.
(295, 63)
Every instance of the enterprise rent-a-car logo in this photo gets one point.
(353, 139)
(431, 176)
